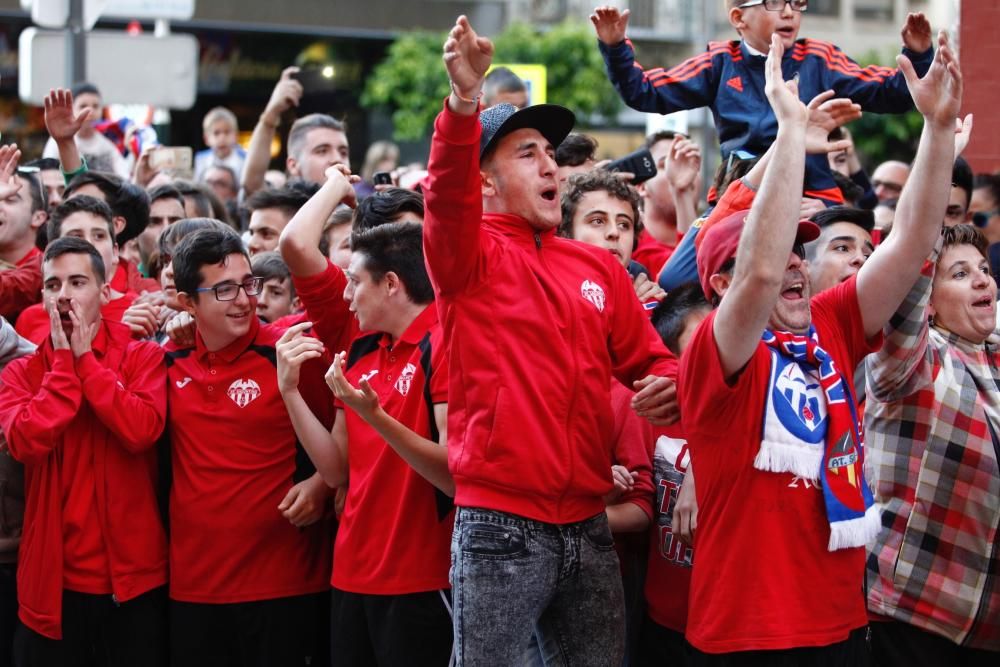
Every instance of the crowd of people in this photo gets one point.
(312, 417)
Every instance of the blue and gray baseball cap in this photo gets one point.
(551, 120)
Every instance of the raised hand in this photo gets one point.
(467, 56)
(83, 332)
(916, 33)
(293, 349)
(340, 177)
(60, 121)
(287, 93)
(783, 95)
(963, 134)
(683, 163)
(59, 339)
(825, 115)
(10, 184)
(938, 95)
(362, 399)
(610, 24)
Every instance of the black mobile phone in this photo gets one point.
(640, 163)
(382, 178)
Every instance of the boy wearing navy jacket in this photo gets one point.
(536, 326)
(82, 415)
(729, 77)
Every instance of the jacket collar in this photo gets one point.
(517, 228)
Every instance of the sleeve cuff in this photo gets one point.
(331, 278)
(458, 129)
(86, 365)
(70, 175)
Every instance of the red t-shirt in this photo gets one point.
(33, 323)
(764, 579)
(234, 457)
(668, 576)
(395, 533)
(652, 254)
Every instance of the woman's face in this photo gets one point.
(964, 295)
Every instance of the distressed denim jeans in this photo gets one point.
(512, 577)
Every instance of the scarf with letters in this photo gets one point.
(816, 439)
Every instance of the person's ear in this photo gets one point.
(720, 283)
(292, 166)
(105, 294)
(392, 283)
(187, 304)
(297, 304)
(119, 224)
(736, 18)
(489, 184)
(39, 218)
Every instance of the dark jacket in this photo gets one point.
(12, 346)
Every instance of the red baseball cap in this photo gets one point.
(721, 240)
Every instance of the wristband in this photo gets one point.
(474, 100)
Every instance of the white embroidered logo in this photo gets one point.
(405, 379)
(244, 392)
(593, 293)
(182, 383)
(368, 376)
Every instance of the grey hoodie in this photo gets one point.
(12, 346)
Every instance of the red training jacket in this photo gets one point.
(112, 402)
(536, 325)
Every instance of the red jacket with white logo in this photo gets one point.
(93, 418)
(536, 326)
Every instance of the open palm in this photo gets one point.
(60, 121)
(938, 95)
(467, 56)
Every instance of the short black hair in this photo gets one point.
(396, 247)
(288, 199)
(166, 191)
(382, 207)
(72, 245)
(207, 205)
(863, 218)
(39, 198)
(670, 315)
(44, 164)
(961, 176)
(989, 182)
(661, 135)
(270, 266)
(575, 149)
(79, 204)
(126, 200)
(84, 87)
(172, 235)
(203, 248)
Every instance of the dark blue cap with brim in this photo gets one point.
(551, 120)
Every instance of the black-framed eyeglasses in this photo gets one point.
(777, 5)
(229, 291)
(982, 218)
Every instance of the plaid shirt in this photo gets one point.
(933, 416)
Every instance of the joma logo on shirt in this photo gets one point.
(244, 392)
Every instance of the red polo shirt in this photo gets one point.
(395, 532)
(235, 456)
(21, 286)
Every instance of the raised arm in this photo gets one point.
(453, 197)
(769, 232)
(299, 243)
(891, 271)
(286, 94)
(326, 448)
(63, 125)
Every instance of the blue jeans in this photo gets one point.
(512, 577)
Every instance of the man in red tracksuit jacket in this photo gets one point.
(82, 415)
(537, 325)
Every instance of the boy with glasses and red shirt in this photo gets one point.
(249, 559)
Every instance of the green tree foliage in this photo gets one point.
(881, 137)
(411, 82)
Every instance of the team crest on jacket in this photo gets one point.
(593, 293)
(405, 379)
(244, 392)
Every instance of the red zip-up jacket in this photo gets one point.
(536, 326)
(112, 402)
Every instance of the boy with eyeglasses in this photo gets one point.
(249, 556)
(729, 77)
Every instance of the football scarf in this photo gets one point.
(817, 439)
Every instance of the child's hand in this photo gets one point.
(916, 33)
(610, 24)
(938, 95)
